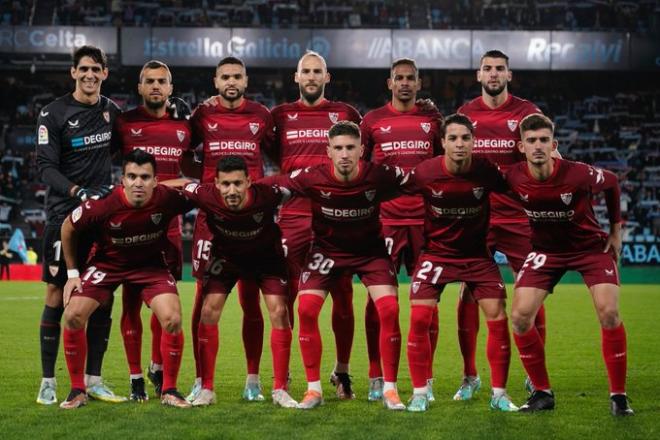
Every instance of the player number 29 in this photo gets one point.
(536, 260)
(427, 267)
(322, 264)
(96, 275)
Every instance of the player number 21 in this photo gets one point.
(427, 267)
(97, 275)
(537, 260)
(322, 264)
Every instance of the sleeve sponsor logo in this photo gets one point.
(43, 135)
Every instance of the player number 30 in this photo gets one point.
(322, 264)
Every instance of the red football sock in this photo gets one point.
(419, 344)
(468, 328)
(433, 333)
(532, 355)
(539, 322)
(131, 327)
(309, 308)
(253, 324)
(280, 347)
(343, 319)
(171, 347)
(196, 317)
(390, 336)
(372, 328)
(615, 356)
(208, 352)
(75, 351)
(498, 351)
(156, 332)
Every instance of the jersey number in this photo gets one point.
(322, 264)
(389, 244)
(427, 267)
(203, 249)
(536, 260)
(97, 275)
(58, 250)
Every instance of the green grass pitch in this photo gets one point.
(574, 362)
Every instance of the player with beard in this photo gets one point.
(302, 136)
(557, 197)
(236, 126)
(152, 128)
(74, 160)
(402, 133)
(495, 115)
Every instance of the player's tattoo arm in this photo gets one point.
(70, 250)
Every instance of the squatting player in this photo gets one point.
(154, 129)
(232, 125)
(495, 115)
(401, 133)
(130, 233)
(302, 138)
(74, 160)
(556, 195)
(456, 189)
(247, 244)
(348, 238)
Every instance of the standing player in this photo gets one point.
(556, 195)
(302, 134)
(130, 230)
(247, 244)
(74, 160)
(455, 188)
(150, 127)
(348, 239)
(234, 126)
(495, 115)
(403, 134)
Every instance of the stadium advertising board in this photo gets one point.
(640, 254)
(56, 39)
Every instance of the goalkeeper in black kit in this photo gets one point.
(74, 160)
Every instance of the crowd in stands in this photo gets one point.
(637, 16)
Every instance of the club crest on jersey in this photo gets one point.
(106, 116)
(74, 124)
(137, 132)
(191, 187)
(370, 194)
(436, 194)
(258, 217)
(512, 124)
(293, 117)
(196, 264)
(53, 270)
(326, 195)
(524, 197)
(426, 126)
(478, 192)
(387, 129)
(156, 218)
(180, 135)
(212, 127)
(566, 198)
(304, 276)
(254, 127)
(415, 286)
(334, 117)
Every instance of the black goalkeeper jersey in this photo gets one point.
(73, 148)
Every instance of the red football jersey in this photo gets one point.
(457, 206)
(402, 139)
(126, 236)
(165, 138)
(246, 234)
(245, 131)
(496, 138)
(559, 208)
(345, 215)
(302, 138)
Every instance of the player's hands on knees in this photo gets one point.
(94, 192)
(72, 285)
(178, 108)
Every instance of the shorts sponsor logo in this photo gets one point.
(566, 198)
(609, 272)
(156, 218)
(512, 124)
(258, 217)
(478, 192)
(334, 117)
(76, 214)
(212, 127)
(136, 133)
(180, 135)
(106, 116)
(254, 127)
(52, 269)
(370, 194)
(387, 129)
(292, 117)
(426, 126)
(191, 187)
(43, 135)
(305, 276)
(415, 286)
(74, 124)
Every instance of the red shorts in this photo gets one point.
(404, 244)
(513, 240)
(296, 238)
(201, 246)
(270, 275)
(174, 253)
(544, 270)
(99, 282)
(432, 273)
(322, 268)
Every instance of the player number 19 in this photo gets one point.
(97, 275)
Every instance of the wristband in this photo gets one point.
(72, 273)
